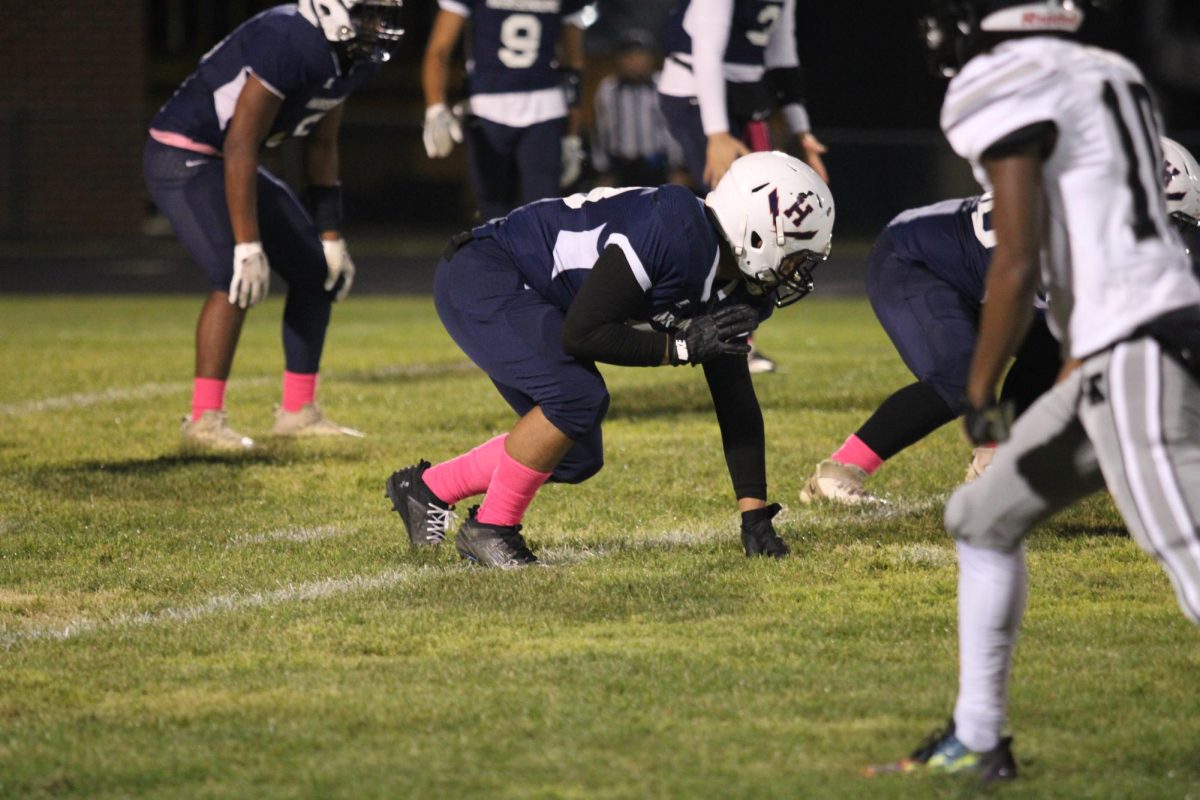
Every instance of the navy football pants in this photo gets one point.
(189, 190)
(515, 335)
(510, 167)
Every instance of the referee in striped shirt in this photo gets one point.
(631, 144)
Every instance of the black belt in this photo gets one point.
(1178, 332)
(457, 242)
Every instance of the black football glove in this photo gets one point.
(758, 534)
(989, 425)
(714, 335)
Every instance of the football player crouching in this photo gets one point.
(540, 298)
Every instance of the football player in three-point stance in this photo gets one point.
(925, 278)
(537, 299)
(525, 59)
(1067, 138)
(285, 72)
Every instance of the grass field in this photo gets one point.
(185, 626)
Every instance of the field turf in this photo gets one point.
(174, 625)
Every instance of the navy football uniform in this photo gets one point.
(504, 296)
(185, 174)
(518, 106)
(925, 280)
(283, 50)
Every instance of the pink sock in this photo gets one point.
(510, 492)
(465, 475)
(208, 394)
(855, 451)
(299, 389)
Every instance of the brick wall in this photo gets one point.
(72, 119)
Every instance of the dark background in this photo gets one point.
(82, 80)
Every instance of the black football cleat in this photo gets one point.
(493, 545)
(943, 753)
(426, 518)
(759, 537)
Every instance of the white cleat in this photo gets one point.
(980, 461)
(839, 483)
(307, 422)
(211, 431)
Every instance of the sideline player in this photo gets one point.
(522, 136)
(925, 279)
(729, 64)
(284, 72)
(1066, 136)
(538, 298)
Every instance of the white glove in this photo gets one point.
(251, 274)
(572, 160)
(337, 258)
(442, 131)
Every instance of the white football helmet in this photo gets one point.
(367, 30)
(777, 215)
(1181, 181)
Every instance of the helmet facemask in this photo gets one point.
(377, 30)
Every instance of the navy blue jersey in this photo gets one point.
(953, 239)
(664, 233)
(750, 30)
(513, 42)
(283, 50)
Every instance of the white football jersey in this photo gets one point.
(1111, 260)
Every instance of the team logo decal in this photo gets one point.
(796, 213)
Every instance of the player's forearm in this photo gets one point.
(241, 193)
(435, 71)
(1007, 315)
(321, 161)
(740, 419)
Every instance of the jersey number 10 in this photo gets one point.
(1144, 126)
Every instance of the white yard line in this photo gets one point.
(298, 535)
(220, 604)
(146, 391)
(552, 555)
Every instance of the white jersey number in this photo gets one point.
(520, 37)
(1141, 130)
(766, 23)
(981, 221)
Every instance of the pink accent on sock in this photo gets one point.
(208, 394)
(855, 451)
(299, 389)
(510, 492)
(757, 136)
(466, 475)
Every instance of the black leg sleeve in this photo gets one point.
(905, 418)
(1036, 367)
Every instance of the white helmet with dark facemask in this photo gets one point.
(1181, 182)
(777, 215)
(365, 30)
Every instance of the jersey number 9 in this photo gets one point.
(520, 37)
